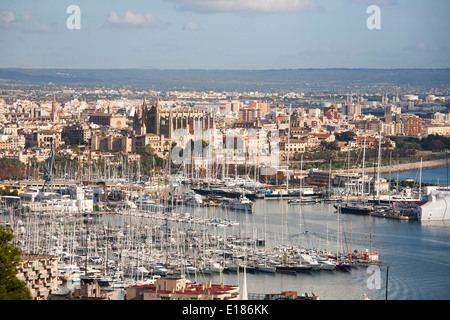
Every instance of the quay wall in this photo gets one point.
(404, 167)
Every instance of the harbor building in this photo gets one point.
(169, 288)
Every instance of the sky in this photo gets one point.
(224, 34)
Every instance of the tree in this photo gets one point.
(149, 159)
(11, 287)
(11, 169)
(436, 145)
(345, 136)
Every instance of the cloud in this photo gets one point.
(26, 22)
(380, 3)
(421, 46)
(416, 47)
(191, 26)
(7, 18)
(245, 6)
(130, 19)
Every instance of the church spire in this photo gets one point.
(55, 116)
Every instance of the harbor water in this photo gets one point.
(439, 176)
(417, 254)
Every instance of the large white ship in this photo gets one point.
(437, 206)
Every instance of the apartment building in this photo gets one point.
(413, 125)
(40, 273)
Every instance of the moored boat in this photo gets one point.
(241, 203)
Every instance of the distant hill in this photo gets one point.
(287, 79)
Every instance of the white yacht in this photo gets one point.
(310, 261)
(265, 268)
(303, 201)
(69, 273)
(194, 200)
(241, 203)
(215, 267)
(326, 264)
(437, 207)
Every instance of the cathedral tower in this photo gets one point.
(55, 116)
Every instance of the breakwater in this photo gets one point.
(402, 167)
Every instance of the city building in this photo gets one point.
(331, 113)
(413, 125)
(80, 132)
(160, 121)
(351, 109)
(168, 288)
(40, 273)
(442, 130)
(115, 121)
(45, 138)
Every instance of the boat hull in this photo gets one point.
(437, 209)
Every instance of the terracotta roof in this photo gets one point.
(195, 289)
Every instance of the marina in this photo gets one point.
(135, 246)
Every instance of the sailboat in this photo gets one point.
(263, 267)
(362, 208)
(369, 257)
(302, 200)
(244, 285)
(340, 265)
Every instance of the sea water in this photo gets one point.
(417, 254)
(438, 176)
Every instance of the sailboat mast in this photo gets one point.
(420, 180)
(348, 172)
(364, 171)
(370, 236)
(289, 146)
(351, 243)
(387, 281)
(378, 173)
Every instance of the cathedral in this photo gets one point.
(159, 121)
